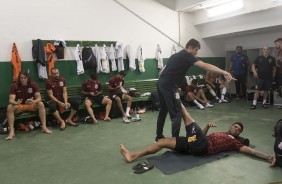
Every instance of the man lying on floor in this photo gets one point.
(197, 143)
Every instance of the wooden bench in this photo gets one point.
(142, 86)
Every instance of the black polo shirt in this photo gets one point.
(176, 68)
(264, 66)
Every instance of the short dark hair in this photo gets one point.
(194, 81)
(122, 73)
(93, 76)
(193, 43)
(278, 40)
(239, 46)
(240, 124)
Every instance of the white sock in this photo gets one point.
(223, 92)
(264, 101)
(213, 93)
(197, 103)
(127, 111)
(254, 102)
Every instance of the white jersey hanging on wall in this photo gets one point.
(98, 57)
(131, 58)
(112, 57)
(141, 59)
(173, 50)
(105, 60)
(78, 58)
(159, 57)
(119, 56)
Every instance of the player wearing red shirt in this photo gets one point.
(91, 90)
(59, 101)
(118, 93)
(25, 96)
(197, 143)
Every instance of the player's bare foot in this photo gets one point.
(71, 123)
(95, 121)
(63, 125)
(46, 131)
(125, 153)
(10, 137)
(107, 119)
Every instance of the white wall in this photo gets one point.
(96, 20)
(252, 41)
(209, 47)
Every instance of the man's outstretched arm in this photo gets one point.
(249, 151)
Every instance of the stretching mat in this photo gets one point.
(172, 162)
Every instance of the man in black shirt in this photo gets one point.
(264, 70)
(169, 81)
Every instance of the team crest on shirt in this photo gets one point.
(96, 86)
(61, 84)
(269, 61)
(29, 90)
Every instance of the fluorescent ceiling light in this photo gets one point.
(225, 8)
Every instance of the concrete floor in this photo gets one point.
(90, 154)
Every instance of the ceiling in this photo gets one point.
(253, 11)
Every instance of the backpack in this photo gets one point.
(38, 53)
(278, 142)
(88, 58)
(155, 101)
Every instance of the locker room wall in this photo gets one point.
(68, 71)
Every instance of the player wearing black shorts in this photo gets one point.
(91, 92)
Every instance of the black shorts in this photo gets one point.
(263, 84)
(113, 96)
(95, 99)
(195, 143)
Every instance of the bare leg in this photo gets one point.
(42, 115)
(11, 121)
(265, 95)
(128, 99)
(59, 119)
(68, 120)
(186, 116)
(90, 110)
(119, 104)
(151, 149)
(108, 103)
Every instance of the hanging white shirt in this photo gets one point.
(78, 58)
(131, 58)
(112, 57)
(159, 57)
(119, 56)
(105, 60)
(42, 71)
(141, 59)
(173, 50)
(98, 58)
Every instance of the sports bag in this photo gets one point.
(88, 58)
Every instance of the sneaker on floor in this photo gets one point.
(219, 101)
(224, 101)
(208, 105)
(201, 107)
(125, 119)
(238, 97)
(159, 137)
(265, 106)
(253, 107)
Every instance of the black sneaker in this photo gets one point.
(265, 106)
(253, 107)
(158, 138)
